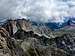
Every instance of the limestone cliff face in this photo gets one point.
(21, 38)
(12, 26)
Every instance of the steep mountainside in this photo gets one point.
(22, 38)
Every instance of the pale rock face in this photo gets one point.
(14, 24)
(24, 24)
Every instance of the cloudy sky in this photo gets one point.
(37, 10)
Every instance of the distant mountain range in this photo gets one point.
(68, 22)
(57, 25)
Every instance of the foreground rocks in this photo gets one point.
(18, 38)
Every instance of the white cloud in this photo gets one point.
(37, 10)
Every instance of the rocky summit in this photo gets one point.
(21, 38)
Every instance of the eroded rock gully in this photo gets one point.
(18, 38)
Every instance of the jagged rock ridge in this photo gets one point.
(21, 38)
